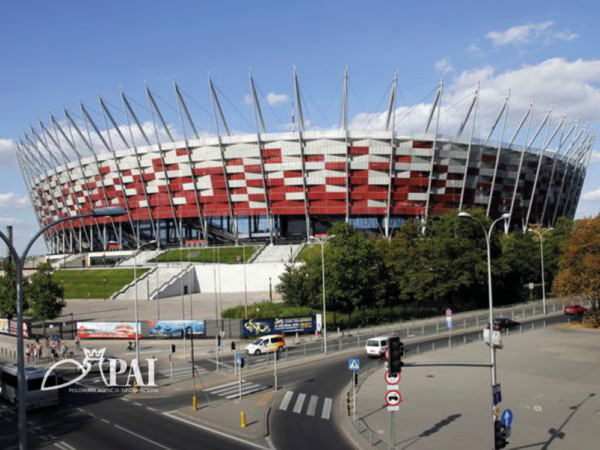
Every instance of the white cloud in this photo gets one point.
(275, 99)
(12, 200)
(519, 34)
(443, 66)
(595, 157)
(474, 50)
(566, 35)
(591, 196)
(247, 99)
(12, 221)
(7, 152)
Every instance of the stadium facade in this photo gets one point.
(290, 185)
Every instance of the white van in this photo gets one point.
(377, 346)
(266, 344)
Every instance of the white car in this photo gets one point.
(377, 346)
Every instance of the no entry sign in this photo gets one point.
(393, 398)
(392, 379)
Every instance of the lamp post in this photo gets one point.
(245, 284)
(19, 265)
(104, 283)
(488, 235)
(541, 236)
(322, 239)
(137, 322)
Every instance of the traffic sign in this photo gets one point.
(239, 359)
(497, 391)
(497, 410)
(393, 398)
(354, 364)
(448, 312)
(392, 379)
(507, 418)
(449, 322)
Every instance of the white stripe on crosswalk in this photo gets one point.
(232, 389)
(326, 409)
(216, 388)
(257, 388)
(299, 403)
(286, 400)
(312, 405)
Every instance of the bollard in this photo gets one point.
(135, 387)
(194, 403)
(465, 338)
(243, 417)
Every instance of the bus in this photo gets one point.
(36, 398)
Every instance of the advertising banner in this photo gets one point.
(279, 325)
(10, 327)
(100, 330)
(175, 328)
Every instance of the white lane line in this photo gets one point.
(299, 403)
(312, 405)
(248, 392)
(142, 437)
(137, 404)
(104, 420)
(59, 445)
(151, 409)
(64, 446)
(326, 409)
(271, 446)
(286, 400)
(216, 388)
(124, 399)
(219, 433)
(90, 414)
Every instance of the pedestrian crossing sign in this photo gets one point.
(354, 364)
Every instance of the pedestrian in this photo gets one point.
(77, 343)
(47, 342)
(65, 351)
(40, 348)
(35, 354)
(28, 353)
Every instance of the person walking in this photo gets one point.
(35, 354)
(28, 353)
(77, 343)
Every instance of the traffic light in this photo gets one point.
(500, 435)
(355, 378)
(233, 346)
(396, 352)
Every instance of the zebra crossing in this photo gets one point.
(232, 390)
(179, 370)
(311, 409)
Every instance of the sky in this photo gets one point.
(55, 53)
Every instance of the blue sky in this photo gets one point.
(56, 52)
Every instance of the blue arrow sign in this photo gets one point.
(354, 364)
(507, 418)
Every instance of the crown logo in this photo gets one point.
(93, 355)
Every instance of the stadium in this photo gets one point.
(288, 186)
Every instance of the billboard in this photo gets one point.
(175, 328)
(280, 325)
(100, 330)
(10, 327)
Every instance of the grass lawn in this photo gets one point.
(226, 255)
(305, 250)
(82, 284)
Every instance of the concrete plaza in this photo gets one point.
(550, 379)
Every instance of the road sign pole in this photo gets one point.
(275, 370)
(392, 431)
(354, 398)
(240, 382)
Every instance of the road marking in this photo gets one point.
(137, 404)
(90, 414)
(256, 388)
(124, 399)
(217, 388)
(271, 446)
(299, 403)
(142, 437)
(312, 405)
(219, 433)
(326, 409)
(104, 420)
(151, 409)
(64, 446)
(286, 400)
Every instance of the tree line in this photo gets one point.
(421, 272)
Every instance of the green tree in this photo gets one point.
(8, 291)
(46, 296)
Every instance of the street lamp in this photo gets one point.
(19, 265)
(245, 283)
(541, 236)
(137, 322)
(322, 239)
(488, 234)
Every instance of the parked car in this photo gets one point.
(377, 346)
(266, 344)
(504, 324)
(574, 310)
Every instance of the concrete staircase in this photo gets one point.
(143, 258)
(278, 254)
(160, 282)
(71, 261)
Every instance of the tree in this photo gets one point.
(46, 296)
(8, 291)
(579, 266)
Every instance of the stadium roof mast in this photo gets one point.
(566, 158)
(88, 120)
(154, 109)
(582, 176)
(217, 106)
(90, 145)
(561, 142)
(391, 117)
(260, 125)
(474, 105)
(128, 111)
(436, 105)
(347, 138)
(71, 143)
(32, 168)
(181, 105)
(109, 146)
(301, 142)
(581, 162)
(526, 146)
(504, 110)
(541, 158)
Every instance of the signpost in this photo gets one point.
(449, 326)
(392, 399)
(497, 392)
(392, 379)
(507, 418)
(354, 365)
